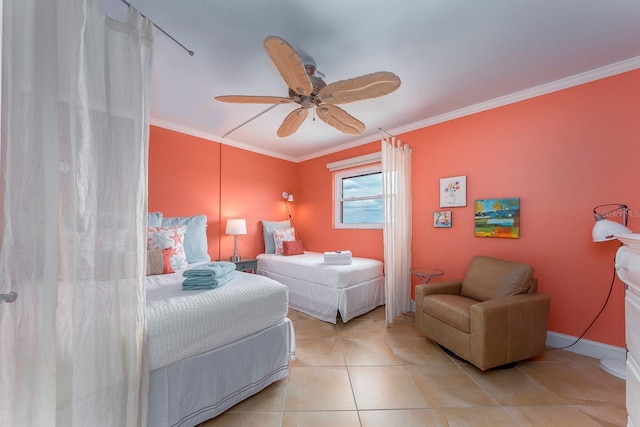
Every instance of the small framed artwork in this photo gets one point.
(453, 191)
(497, 218)
(442, 219)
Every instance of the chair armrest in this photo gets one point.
(450, 287)
(512, 325)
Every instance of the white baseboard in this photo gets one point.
(585, 347)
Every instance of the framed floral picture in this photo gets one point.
(442, 219)
(453, 191)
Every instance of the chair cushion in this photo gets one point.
(490, 278)
(451, 309)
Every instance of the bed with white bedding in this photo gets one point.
(321, 290)
(210, 349)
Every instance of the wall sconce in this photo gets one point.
(288, 196)
(236, 227)
(605, 229)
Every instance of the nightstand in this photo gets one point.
(247, 265)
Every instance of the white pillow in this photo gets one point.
(268, 227)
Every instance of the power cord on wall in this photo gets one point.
(595, 318)
(286, 204)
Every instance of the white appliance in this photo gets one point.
(628, 270)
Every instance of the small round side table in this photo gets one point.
(426, 274)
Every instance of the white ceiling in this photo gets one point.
(453, 58)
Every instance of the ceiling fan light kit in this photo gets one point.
(308, 89)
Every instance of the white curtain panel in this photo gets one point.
(75, 112)
(396, 194)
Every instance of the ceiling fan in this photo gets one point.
(308, 89)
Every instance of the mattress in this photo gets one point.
(311, 268)
(181, 324)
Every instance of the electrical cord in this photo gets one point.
(594, 319)
(294, 225)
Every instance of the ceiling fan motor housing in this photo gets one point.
(308, 101)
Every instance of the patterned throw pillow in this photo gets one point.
(169, 238)
(293, 248)
(279, 236)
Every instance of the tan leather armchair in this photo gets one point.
(493, 317)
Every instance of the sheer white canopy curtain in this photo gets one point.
(75, 123)
(396, 194)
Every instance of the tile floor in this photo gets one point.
(364, 374)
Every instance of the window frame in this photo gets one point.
(339, 176)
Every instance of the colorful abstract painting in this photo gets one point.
(497, 218)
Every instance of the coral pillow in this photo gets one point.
(284, 235)
(171, 238)
(292, 248)
(159, 262)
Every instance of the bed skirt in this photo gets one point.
(191, 391)
(325, 303)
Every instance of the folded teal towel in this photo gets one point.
(210, 269)
(195, 283)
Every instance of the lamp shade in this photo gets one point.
(605, 229)
(236, 226)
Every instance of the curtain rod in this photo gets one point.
(191, 53)
(384, 131)
(401, 142)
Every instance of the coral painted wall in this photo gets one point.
(191, 176)
(562, 154)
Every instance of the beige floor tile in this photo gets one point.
(319, 389)
(411, 350)
(271, 399)
(399, 417)
(319, 352)
(576, 386)
(314, 328)
(606, 416)
(476, 417)
(364, 373)
(448, 386)
(375, 314)
(357, 328)
(545, 416)
(384, 387)
(401, 326)
(512, 387)
(245, 419)
(368, 351)
(321, 419)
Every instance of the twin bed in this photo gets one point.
(208, 350)
(323, 291)
(234, 341)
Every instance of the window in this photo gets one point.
(358, 198)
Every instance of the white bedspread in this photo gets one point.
(182, 324)
(311, 268)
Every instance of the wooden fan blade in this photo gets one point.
(289, 64)
(359, 88)
(242, 99)
(292, 122)
(340, 119)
